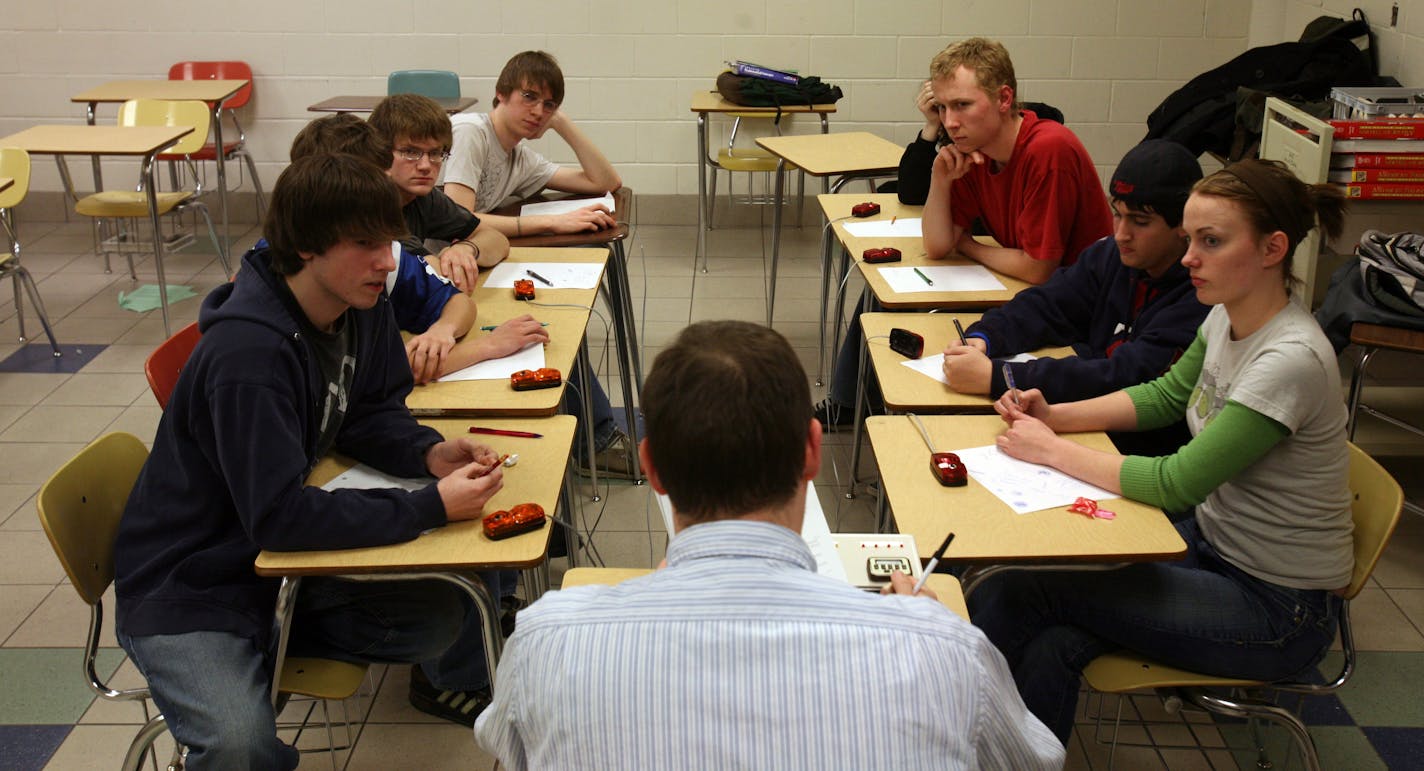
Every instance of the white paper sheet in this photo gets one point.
(563, 275)
(363, 477)
(904, 227)
(566, 205)
(932, 366)
(529, 357)
(1026, 487)
(946, 278)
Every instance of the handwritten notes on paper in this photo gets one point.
(1025, 487)
(946, 278)
(563, 275)
(904, 227)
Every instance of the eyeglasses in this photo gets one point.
(529, 98)
(414, 154)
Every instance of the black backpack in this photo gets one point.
(758, 92)
(1202, 114)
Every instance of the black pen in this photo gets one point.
(934, 563)
(960, 329)
(538, 277)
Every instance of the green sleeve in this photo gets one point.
(1237, 437)
(1163, 401)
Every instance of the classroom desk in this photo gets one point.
(450, 553)
(368, 103)
(142, 141)
(214, 92)
(711, 102)
(943, 585)
(468, 398)
(852, 155)
(988, 534)
(616, 286)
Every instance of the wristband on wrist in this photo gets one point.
(518, 227)
(472, 244)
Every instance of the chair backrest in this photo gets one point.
(1045, 111)
(217, 71)
(161, 112)
(1377, 501)
(15, 164)
(80, 507)
(166, 362)
(436, 84)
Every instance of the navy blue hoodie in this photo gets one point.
(225, 478)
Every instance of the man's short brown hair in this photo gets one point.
(343, 133)
(727, 412)
(531, 69)
(324, 198)
(414, 117)
(989, 61)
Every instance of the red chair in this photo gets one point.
(166, 362)
(231, 149)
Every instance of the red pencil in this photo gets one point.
(505, 432)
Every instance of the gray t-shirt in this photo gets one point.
(478, 162)
(1286, 518)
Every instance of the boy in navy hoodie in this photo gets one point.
(299, 356)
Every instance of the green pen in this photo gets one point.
(493, 327)
(923, 276)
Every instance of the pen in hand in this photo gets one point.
(539, 278)
(960, 329)
(1009, 381)
(493, 327)
(933, 563)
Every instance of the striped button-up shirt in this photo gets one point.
(738, 655)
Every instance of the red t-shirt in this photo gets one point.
(1047, 200)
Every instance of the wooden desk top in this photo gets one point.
(622, 206)
(124, 90)
(906, 390)
(368, 103)
(837, 206)
(566, 331)
(820, 155)
(985, 529)
(460, 545)
(711, 101)
(95, 140)
(944, 585)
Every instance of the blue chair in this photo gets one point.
(436, 84)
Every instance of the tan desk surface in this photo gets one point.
(536, 478)
(622, 204)
(95, 140)
(906, 390)
(368, 103)
(837, 206)
(566, 331)
(124, 90)
(946, 586)
(985, 529)
(820, 155)
(711, 101)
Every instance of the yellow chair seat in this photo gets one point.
(126, 203)
(748, 159)
(1125, 671)
(321, 678)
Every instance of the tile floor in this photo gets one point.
(49, 720)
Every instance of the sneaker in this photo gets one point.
(612, 459)
(834, 415)
(456, 706)
(508, 608)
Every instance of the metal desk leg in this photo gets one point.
(282, 620)
(702, 214)
(775, 237)
(586, 399)
(860, 376)
(567, 503)
(827, 238)
(620, 303)
(222, 179)
(148, 190)
(839, 310)
(620, 255)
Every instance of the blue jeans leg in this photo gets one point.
(214, 688)
(602, 419)
(1201, 614)
(846, 373)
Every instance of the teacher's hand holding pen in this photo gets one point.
(903, 584)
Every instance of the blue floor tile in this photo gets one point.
(29, 747)
(39, 357)
(1399, 747)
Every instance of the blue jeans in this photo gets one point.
(215, 687)
(1201, 614)
(846, 372)
(602, 420)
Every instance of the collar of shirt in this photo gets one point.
(734, 538)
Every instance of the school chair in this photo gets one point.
(163, 366)
(232, 149)
(436, 84)
(125, 208)
(1377, 501)
(79, 508)
(15, 164)
(749, 160)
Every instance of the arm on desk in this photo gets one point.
(1010, 262)
(428, 351)
(507, 338)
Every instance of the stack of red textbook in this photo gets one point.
(1378, 152)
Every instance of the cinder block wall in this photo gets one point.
(632, 66)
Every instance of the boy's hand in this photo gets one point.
(426, 353)
(967, 369)
(457, 262)
(444, 458)
(466, 490)
(587, 219)
(515, 334)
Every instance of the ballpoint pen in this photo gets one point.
(539, 278)
(493, 327)
(960, 329)
(933, 563)
(1009, 381)
(923, 276)
(505, 432)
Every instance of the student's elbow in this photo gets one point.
(1038, 272)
